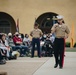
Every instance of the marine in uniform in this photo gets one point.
(36, 34)
(60, 29)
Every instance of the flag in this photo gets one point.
(72, 39)
(35, 21)
(17, 26)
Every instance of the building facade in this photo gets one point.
(24, 13)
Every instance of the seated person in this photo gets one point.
(18, 43)
(48, 47)
(4, 44)
(12, 46)
(26, 40)
(10, 40)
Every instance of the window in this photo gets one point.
(5, 26)
(7, 23)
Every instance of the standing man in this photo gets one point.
(60, 29)
(36, 34)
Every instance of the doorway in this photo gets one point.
(7, 23)
(46, 21)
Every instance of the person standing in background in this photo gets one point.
(36, 34)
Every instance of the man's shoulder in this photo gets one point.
(65, 25)
(39, 30)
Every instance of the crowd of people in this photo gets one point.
(13, 45)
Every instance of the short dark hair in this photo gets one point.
(36, 24)
(1, 35)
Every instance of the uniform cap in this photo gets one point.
(59, 17)
(36, 24)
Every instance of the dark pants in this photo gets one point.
(22, 49)
(59, 44)
(1, 57)
(36, 41)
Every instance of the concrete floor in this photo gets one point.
(40, 66)
(23, 65)
(68, 69)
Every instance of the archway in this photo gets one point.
(46, 21)
(7, 23)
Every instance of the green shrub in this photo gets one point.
(67, 44)
(75, 45)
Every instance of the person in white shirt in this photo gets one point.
(52, 38)
(4, 44)
(26, 40)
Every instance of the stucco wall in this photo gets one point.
(28, 10)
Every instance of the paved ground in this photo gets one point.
(67, 48)
(69, 66)
(40, 66)
(23, 65)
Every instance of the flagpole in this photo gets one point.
(17, 25)
(35, 21)
(72, 40)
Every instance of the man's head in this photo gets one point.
(60, 19)
(36, 25)
(16, 34)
